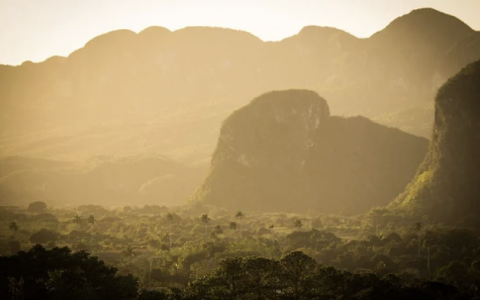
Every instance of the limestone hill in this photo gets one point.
(284, 152)
(446, 187)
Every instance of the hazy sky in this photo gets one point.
(37, 29)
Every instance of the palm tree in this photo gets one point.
(91, 220)
(77, 220)
(233, 226)
(418, 227)
(128, 252)
(167, 238)
(218, 229)
(205, 219)
(13, 227)
(298, 223)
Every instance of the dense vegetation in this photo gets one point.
(284, 152)
(60, 274)
(198, 252)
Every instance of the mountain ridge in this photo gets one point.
(170, 82)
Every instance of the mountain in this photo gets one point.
(284, 152)
(445, 188)
(110, 181)
(461, 53)
(162, 91)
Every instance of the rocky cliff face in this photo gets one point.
(284, 152)
(446, 187)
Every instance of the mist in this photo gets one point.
(208, 163)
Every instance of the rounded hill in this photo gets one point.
(284, 152)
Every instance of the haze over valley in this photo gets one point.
(166, 93)
(207, 163)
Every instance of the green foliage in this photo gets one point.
(204, 218)
(167, 255)
(91, 220)
(60, 274)
(13, 226)
(43, 236)
(298, 223)
(298, 276)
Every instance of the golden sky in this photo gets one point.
(37, 29)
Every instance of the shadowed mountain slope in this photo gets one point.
(446, 187)
(284, 152)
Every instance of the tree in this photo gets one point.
(43, 236)
(167, 238)
(155, 295)
(13, 226)
(37, 207)
(205, 219)
(91, 220)
(62, 275)
(239, 215)
(77, 220)
(218, 229)
(128, 252)
(233, 226)
(169, 216)
(298, 275)
(418, 227)
(298, 223)
(457, 272)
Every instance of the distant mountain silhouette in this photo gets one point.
(446, 186)
(461, 53)
(424, 26)
(167, 92)
(284, 152)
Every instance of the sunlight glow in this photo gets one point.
(36, 30)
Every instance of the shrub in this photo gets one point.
(37, 207)
(43, 236)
